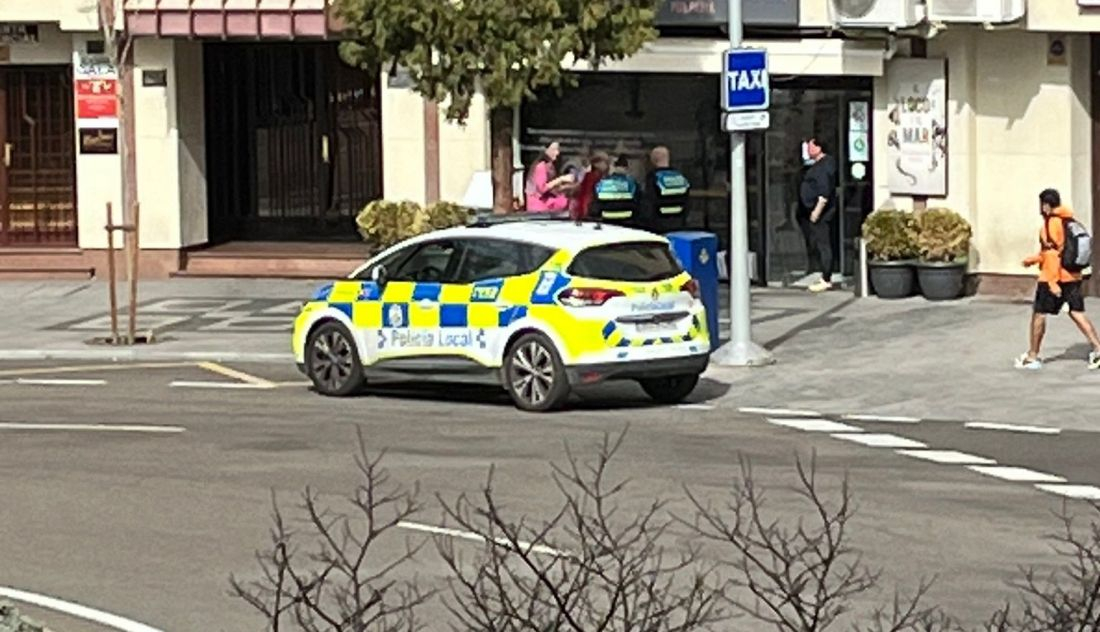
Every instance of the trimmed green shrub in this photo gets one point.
(890, 235)
(384, 223)
(942, 235)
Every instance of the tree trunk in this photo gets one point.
(500, 130)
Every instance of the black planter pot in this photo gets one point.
(891, 279)
(941, 281)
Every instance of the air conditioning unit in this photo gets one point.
(877, 14)
(976, 11)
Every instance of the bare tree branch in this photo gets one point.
(612, 571)
(340, 584)
(800, 577)
(1068, 598)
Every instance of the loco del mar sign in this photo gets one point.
(916, 140)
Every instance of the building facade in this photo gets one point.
(252, 134)
(253, 139)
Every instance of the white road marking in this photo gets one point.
(695, 407)
(470, 535)
(52, 382)
(1080, 492)
(780, 412)
(888, 419)
(76, 610)
(874, 440)
(984, 425)
(92, 427)
(813, 425)
(90, 368)
(1016, 474)
(6, 382)
(236, 385)
(948, 457)
(241, 376)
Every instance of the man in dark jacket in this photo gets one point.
(665, 199)
(818, 209)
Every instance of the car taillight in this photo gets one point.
(691, 287)
(586, 296)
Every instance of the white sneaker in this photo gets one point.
(1094, 360)
(1028, 364)
(821, 286)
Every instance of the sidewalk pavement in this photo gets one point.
(835, 354)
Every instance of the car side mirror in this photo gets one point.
(378, 275)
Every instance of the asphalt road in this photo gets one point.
(149, 525)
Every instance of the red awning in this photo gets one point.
(268, 19)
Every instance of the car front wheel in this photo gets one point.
(534, 374)
(670, 390)
(332, 361)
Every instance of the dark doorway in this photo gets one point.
(293, 142)
(37, 157)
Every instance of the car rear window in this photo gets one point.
(633, 262)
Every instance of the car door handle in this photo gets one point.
(426, 303)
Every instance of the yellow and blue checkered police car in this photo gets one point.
(538, 306)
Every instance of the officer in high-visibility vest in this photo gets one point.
(666, 194)
(617, 197)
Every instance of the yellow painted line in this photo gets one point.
(93, 367)
(225, 371)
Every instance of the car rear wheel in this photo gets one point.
(670, 390)
(332, 361)
(534, 374)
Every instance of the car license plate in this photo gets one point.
(656, 327)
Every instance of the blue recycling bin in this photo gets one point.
(698, 254)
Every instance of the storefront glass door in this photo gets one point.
(836, 116)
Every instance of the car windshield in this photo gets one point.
(633, 262)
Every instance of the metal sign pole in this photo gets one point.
(740, 350)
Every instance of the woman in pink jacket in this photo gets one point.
(545, 190)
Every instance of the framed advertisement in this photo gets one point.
(99, 140)
(916, 137)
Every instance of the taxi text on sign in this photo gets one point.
(745, 84)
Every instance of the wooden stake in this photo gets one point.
(135, 251)
(111, 272)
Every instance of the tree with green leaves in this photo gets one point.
(505, 49)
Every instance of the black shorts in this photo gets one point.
(1047, 303)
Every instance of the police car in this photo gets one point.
(537, 306)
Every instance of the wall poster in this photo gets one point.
(95, 83)
(916, 141)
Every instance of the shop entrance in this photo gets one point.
(837, 112)
(37, 157)
(293, 142)
(629, 113)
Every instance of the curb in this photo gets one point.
(122, 355)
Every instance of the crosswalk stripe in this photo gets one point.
(813, 425)
(888, 419)
(875, 440)
(779, 412)
(985, 425)
(1078, 492)
(947, 457)
(1016, 474)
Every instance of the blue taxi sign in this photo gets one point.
(745, 82)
